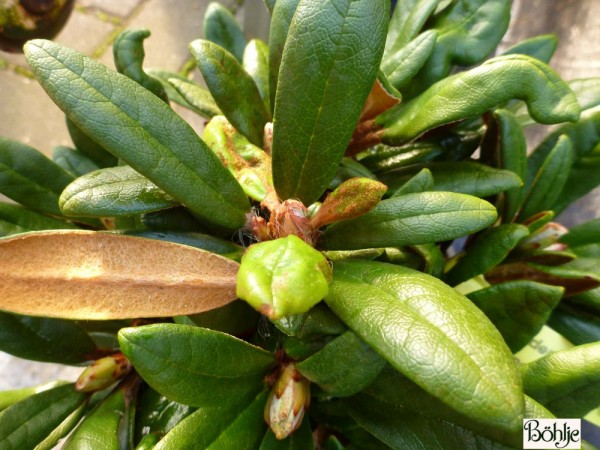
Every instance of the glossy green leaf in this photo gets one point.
(128, 51)
(488, 249)
(407, 20)
(389, 158)
(326, 75)
(89, 147)
(103, 428)
(164, 76)
(195, 366)
(15, 219)
(223, 29)
(583, 178)
(234, 423)
(10, 397)
(114, 191)
(349, 168)
(237, 318)
(410, 219)
(433, 335)
(281, 18)
(512, 155)
(282, 277)
(28, 422)
(256, 63)
(196, 97)
(401, 66)
(468, 32)
(583, 234)
(541, 47)
(343, 367)
(301, 439)
(73, 161)
(468, 177)
(422, 181)
(471, 93)
(157, 414)
(51, 441)
(45, 339)
(577, 325)
(584, 135)
(566, 382)
(174, 158)
(233, 89)
(408, 431)
(30, 178)
(550, 180)
(319, 321)
(519, 309)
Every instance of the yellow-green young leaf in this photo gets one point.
(153, 140)
(408, 18)
(566, 382)
(433, 335)
(326, 74)
(13, 396)
(472, 93)
(256, 63)
(94, 275)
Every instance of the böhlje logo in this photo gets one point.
(551, 433)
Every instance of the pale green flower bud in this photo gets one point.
(287, 403)
(102, 373)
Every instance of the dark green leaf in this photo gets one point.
(301, 439)
(198, 240)
(102, 428)
(343, 367)
(16, 219)
(73, 161)
(566, 382)
(256, 63)
(468, 177)
(408, 18)
(410, 219)
(349, 168)
(157, 414)
(221, 28)
(548, 183)
(468, 32)
(471, 93)
(177, 219)
(236, 318)
(233, 423)
(164, 76)
(28, 422)
(433, 335)
(270, 4)
(518, 309)
(583, 234)
(422, 181)
(128, 51)
(282, 15)
(318, 321)
(45, 339)
(401, 66)
(326, 75)
(489, 249)
(233, 89)
(575, 324)
(195, 366)
(389, 158)
(89, 147)
(541, 47)
(30, 178)
(196, 97)
(114, 191)
(104, 105)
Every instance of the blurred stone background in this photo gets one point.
(28, 115)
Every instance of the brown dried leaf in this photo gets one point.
(95, 276)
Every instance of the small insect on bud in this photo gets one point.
(102, 373)
(289, 399)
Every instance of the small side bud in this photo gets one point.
(289, 399)
(268, 137)
(291, 218)
(102, 373)
(544, 238)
